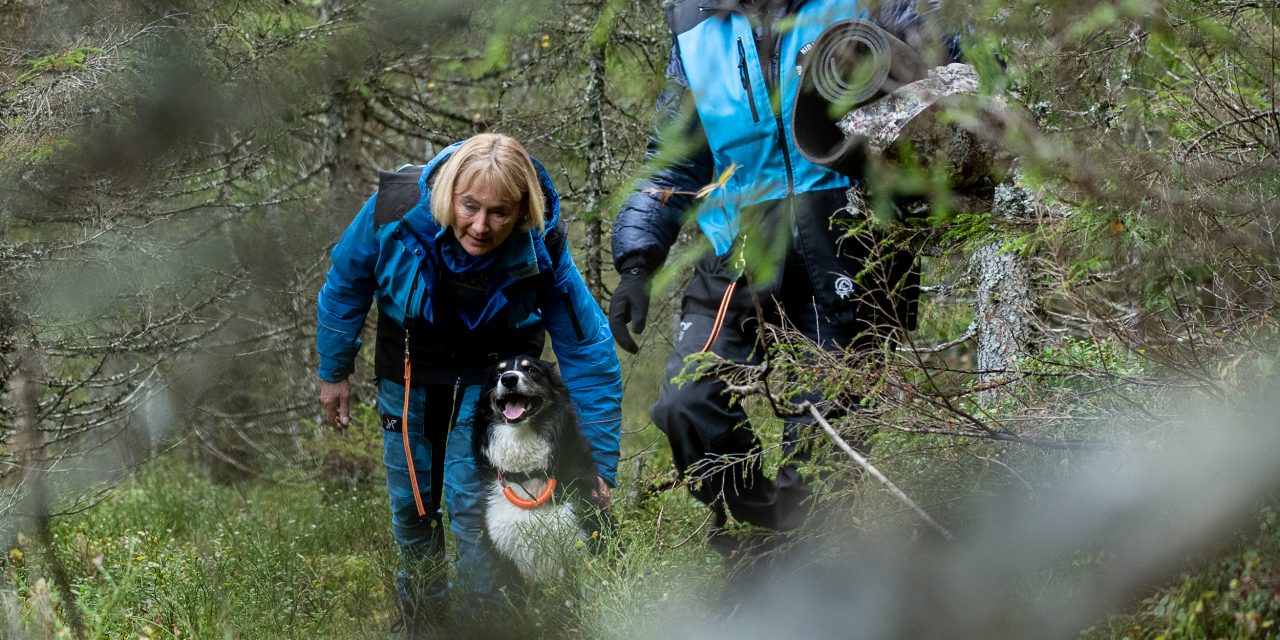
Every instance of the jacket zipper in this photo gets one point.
(786, 156)
(413, 289)
(745, 76)
(573, 317)
(775, 73)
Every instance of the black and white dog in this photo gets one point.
(536, 468)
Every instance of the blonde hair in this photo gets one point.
(504, 164)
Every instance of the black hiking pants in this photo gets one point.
(711, 439)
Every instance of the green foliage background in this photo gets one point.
(172, 174)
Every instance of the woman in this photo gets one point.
(468, 265)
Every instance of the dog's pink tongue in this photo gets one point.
(513, 409)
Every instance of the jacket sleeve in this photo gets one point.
(346, 297)
(677, 159)
(589, 364)
(905, 20)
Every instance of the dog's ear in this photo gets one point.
(549, 365)
(552, 373)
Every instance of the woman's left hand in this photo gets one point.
(601, 493)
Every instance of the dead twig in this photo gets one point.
(866, 465)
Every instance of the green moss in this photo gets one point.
(44, 151)
(58, 62)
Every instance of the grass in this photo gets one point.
(308, 552)
(172, 554)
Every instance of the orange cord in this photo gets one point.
(525, 503)
(404, 431)
(720, 315)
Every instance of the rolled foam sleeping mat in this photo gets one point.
(852, 63)
(849, 62)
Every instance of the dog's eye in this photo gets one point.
(524, 363)
(502, 365)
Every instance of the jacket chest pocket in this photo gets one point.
(523, 310)
(404, 272)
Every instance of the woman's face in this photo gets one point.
(482, 219)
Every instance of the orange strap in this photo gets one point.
(525, 503)
(404, 431)
(720, 314)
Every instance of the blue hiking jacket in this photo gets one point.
(731, 105)
(399, 262)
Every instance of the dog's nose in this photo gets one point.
(509, 380)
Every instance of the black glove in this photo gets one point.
(630, 304)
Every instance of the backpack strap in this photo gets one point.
(684, 15)
(397, 193)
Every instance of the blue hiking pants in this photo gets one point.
(443, 465)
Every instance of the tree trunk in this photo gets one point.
(1005, 304)
(345, 121)
(593, 232)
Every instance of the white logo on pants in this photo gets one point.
(844, 287)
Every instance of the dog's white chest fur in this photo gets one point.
(517, 450)
(538, 540)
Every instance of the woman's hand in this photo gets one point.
(334, 397)
(601, 493)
